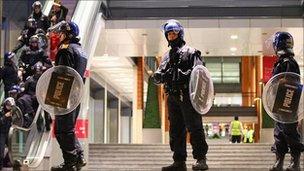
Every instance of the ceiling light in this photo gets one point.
(234, 37)
(233, 49)
(232, 54)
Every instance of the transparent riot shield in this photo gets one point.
(201, 89)
(17, 117)
(283, 97)
(59, 90)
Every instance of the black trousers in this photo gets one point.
(236, 138)
(183, 116)
(287, 136)
(65, 135)
(3, 142)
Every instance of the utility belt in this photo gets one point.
(177, 89)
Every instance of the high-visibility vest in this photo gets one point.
(245, 131)
(236, 128)
(250, 135)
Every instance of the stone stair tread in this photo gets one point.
(154, 156)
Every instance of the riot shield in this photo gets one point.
(201, 89)
(59, 90)
(283, 97)
(43, 41)
(17, 117)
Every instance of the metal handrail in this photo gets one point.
(43, 142)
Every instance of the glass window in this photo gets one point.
(125, 127)
(97, 105)
(231, 73)
(227, 99)
(224, 72)
(112, 118)
(215, 70)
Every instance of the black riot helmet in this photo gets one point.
(37, 4)
(34, 42)
(9, 103)
(9, 56)
(31, 23)
(282, 41)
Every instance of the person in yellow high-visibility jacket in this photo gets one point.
(245, 131)
(236, 130)
(248, 134)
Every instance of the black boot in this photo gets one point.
(294, 163)
(278, 165)
(81, 162)
(65, 167)
(176, 166)
(200, 164)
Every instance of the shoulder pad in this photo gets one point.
(166, 56)
(191, 50)
(64, 46)
(286, 60)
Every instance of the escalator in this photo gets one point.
(27, 146)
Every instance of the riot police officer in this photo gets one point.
(30, 88)
(5, 124)
(41, 19)
(25, 102)
(31, 55)
(286, 135)
(58, 13)
(70, 54)
(9, 72)
(174, 72)
(26, 34)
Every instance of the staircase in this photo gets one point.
(249, 157)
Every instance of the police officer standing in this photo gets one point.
(70, 54)
(31, 55)
(9, 72)
(26, 34)
(59, 12)
(5, 124)
(174, 72)
(286, 135)
(41, 19)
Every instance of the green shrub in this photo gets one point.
(267, 121)
(152, 117)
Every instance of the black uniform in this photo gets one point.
(286, 135)
(30, 89)
(25, 103)
(24, 38)
(73, 56)
(42, 21)
(30, 57)
(5, 124)
(60, 15)
(174, 71)
(9, 75)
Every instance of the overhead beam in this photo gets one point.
(119, 13)
(200, 3)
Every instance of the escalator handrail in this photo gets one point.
(39, 111)
(14, 128)
(40, 152)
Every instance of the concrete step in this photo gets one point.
(155, 156)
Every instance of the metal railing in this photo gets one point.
(35, 146)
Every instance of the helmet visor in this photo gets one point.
(171, 25)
